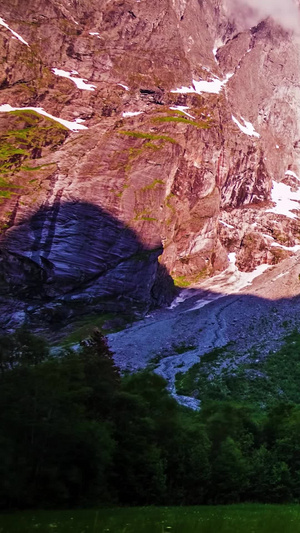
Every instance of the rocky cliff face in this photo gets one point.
(154, 134)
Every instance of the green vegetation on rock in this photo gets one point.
(261, 381)
(149, 136)
(83, 328)
(152, 185)
(146, 216)
(181, 281)
(37, 168)
(27, 134)
(187, 281)
(189, 122)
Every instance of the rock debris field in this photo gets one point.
(212, 315)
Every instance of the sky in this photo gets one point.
(283, 11)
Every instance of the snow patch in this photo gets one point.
(94, 33)
(213, 86)
(131, 114)
(281, 275)
(73, 126)
(197, 244)
(3, 23)
(247, 278)
(182, 108)
(286, 201)
(295, 248)
(247, 128)
(291, 173)
(231, 281)
(124, 86)
(225, 224)
(232, 258)
(218, 43)
(79, 82)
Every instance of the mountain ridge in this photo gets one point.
(184, 152)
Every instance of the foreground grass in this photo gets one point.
(217, 519)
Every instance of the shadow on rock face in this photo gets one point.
(77, 254)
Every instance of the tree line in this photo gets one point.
(75, 432)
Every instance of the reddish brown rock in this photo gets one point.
(102, 204)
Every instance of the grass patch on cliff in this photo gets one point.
(144, 216)
(147, 219)
(148, 136)
(169, 205)
(124, 159)
(181, 281)
(32, 117)
(84, 328)
(37, 168)
(187, 281)
(152, 185)
(220, 376)
(6, 194)
(7, 151)
(201, 125)
(7, 190)
(27, 134)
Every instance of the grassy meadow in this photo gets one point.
(207, 519)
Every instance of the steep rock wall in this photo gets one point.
(85, 217)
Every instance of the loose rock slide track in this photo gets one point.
(174, 339)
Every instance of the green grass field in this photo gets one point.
(218, 519)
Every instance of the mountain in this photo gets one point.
(141, 143)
